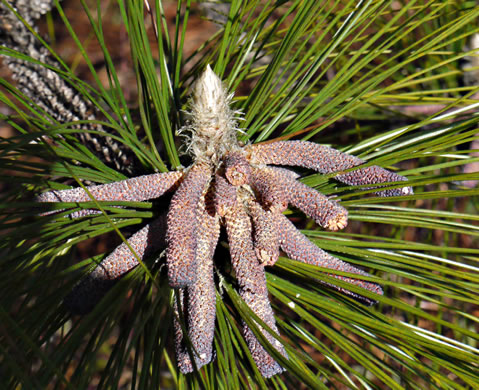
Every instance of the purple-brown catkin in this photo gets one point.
(266, 183)
(237, 168)
(266, 236)
(181, 233)
(252, 285)
(225, 195)
(200, 297)
(136, 189)
(327, 213)
(88, 292)
(297, 246)
(326, 160)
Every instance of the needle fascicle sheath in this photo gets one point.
(182, 225)
(252, 286)
(136, 189)
(199, 299)
(297, 246)
(326, 160)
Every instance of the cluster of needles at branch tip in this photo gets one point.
(240, 188)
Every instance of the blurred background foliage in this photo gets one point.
(393, 82)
